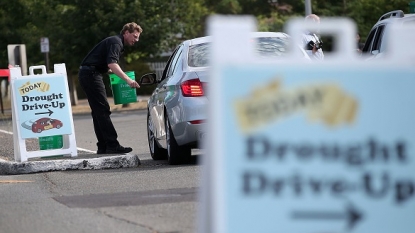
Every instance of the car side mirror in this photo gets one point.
(148, 79)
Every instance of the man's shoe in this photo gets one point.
(118, 150)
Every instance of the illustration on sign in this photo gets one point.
(325, 102)
(43, 106)
(42, 124)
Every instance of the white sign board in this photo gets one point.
(44, 45)
(41, 107)
(300, 147)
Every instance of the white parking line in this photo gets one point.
(86, 150)
(78, 148)
(7, 132)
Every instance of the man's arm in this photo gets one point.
(116, 69)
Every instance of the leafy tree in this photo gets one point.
(367, 12)
(74, 26)
(295, 7)
(13, 31)
(274, 23)
(224, 6)
(256, 7)
(364, 12)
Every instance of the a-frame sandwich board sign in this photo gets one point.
(41, 107)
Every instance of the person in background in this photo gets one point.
(359, 44)
(311, 42)
(102, 58)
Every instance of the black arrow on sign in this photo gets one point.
(351, 215)
(48, 112)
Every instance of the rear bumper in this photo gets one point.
(189, 134)
(187, 110)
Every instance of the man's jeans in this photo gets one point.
(93, 85)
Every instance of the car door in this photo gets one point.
(160, 94)
(369, 42)
(377, 41)
(374, 44)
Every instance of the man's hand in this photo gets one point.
(133, 83)
(314, 48)
(115, 68)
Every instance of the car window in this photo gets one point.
(174, 61)
(265, 46)
(369, 41)
(169, 62)
(178, 67)
(377, 42)
(271, 46)
(198, 55)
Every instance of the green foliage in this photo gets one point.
(75, 26)
(365, 13)
(273, 23)
(256, 7)
(224, 6)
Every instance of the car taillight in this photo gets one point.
(196, 122)
(192, 88)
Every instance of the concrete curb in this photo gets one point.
(109, 162)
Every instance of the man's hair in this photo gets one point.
(312, 18)
(131, 27)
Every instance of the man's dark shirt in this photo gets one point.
(105, 52)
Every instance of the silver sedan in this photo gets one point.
(177, 107)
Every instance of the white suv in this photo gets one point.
(375, 43)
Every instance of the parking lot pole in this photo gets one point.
(4, 73)
(307, 7)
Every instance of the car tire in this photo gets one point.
(175, 154)
(156, 152)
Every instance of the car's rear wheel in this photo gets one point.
(175, 154)
(156, 152)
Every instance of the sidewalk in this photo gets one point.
(84, 161)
